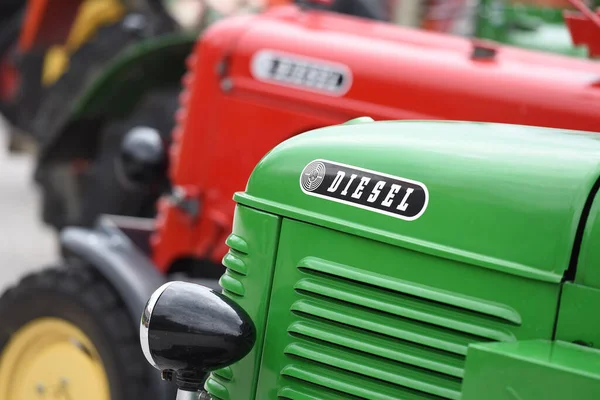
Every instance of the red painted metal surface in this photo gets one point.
(584, 27)
(230, 120)
(441, 14)
(47, 23)
(9, 80)
(325, 2)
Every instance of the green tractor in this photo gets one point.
(534, 25)
(400, 260)
(527, 26)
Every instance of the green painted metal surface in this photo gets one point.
(527, 26)
(553, 38)
(578, 315)
(465, 302)
(250, 263)
(503, 197)
(350, 315)
(537, 369)
(359, 120)
(588, 265)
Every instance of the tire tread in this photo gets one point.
(85, 285)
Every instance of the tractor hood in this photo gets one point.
(504, 197)
(337, 65)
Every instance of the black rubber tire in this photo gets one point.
(103, 191)
(79, 295)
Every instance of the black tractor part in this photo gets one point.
(129, 172)
(370, 9)
(188, 330)
(91, 60)
(118, 180)
(8, 8)
(67, 142)
(11, 18)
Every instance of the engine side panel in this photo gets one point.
(265, 78)
(250, 264)
(352, 316)
(537, 369)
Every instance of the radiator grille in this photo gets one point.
(177, 137)
(232, 282)
(360, 335)
(188, 81)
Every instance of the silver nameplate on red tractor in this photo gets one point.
(301, 72)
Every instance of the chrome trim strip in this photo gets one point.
(145, 322)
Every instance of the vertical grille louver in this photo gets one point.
(187, 81)
(181, 116)
(360, 335)
(232, 281)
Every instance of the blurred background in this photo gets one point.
(27, 244)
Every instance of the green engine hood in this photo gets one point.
(504, 197)
(554, 38)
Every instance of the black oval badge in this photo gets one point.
(370, 190)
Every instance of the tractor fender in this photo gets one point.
(122, 264)
(86, 104)
(130, 272)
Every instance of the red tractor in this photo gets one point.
(255, 81)
(252, 82)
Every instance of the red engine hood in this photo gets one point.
(399, 73)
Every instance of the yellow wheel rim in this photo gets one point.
(50, 358)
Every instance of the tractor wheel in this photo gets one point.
(66, 334)
(106, 190)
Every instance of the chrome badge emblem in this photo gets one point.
(312, 176)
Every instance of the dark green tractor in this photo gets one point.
(528, 26)
(112, 78)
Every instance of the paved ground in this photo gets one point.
(25, 244)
